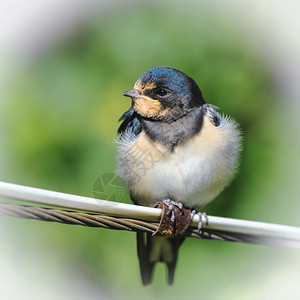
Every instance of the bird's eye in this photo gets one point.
(161, 92)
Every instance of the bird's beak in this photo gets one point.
(133, 94)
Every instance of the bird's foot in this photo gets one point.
(175, 218)
(172, 204)
(202, 219)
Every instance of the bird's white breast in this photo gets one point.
(194, 173)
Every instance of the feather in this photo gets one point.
(131, 123)
(153, 249)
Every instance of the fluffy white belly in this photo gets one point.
(193, 174)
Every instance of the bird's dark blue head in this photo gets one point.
(165, 94)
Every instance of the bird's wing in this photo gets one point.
(213, 114)
(130, 123)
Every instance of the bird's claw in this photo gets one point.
(175, 218)
(203, 219)
(172, 204)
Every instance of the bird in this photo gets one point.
(173, 146)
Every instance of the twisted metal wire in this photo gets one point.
(96, 220)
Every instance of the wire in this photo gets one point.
(94, 220)
(129, 217)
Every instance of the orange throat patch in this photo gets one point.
(148, 108)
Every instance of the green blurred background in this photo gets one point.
(59, 122)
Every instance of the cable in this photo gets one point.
(123, 216)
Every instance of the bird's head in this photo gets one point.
(165, 94)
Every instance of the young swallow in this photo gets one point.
(173, 146)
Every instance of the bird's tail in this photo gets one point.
(152, 249)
